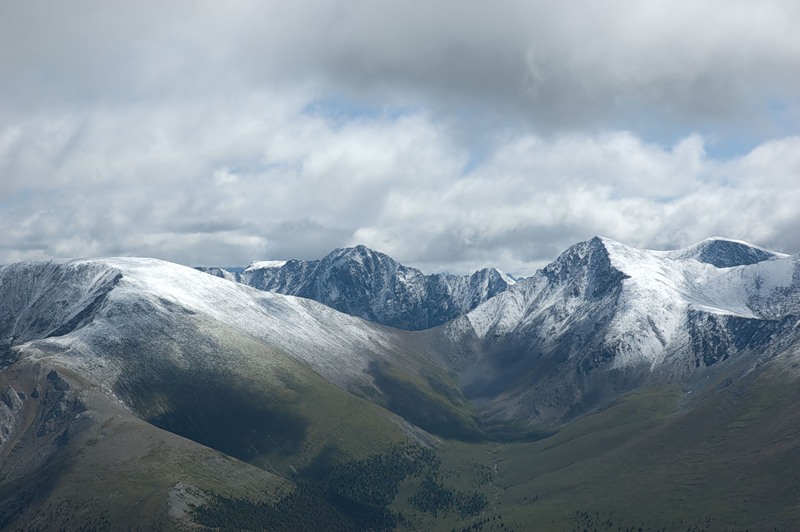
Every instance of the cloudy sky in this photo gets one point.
(449, 134)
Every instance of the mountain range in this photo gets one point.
(368, 284)
(174, 398)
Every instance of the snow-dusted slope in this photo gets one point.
(657, 285)
(51, 298)
(371, 285)
(83, 313)
(231, 274)
(628, 313)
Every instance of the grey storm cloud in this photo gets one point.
(451, 135)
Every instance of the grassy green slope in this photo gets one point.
(727, 462)
(216, 385)
(655, 459)
(425, 395)
(282, 421)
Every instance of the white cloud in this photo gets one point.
(452, 135)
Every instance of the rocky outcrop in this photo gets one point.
(11, 403)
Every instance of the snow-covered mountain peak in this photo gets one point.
(588, 267)
(575, 257)
(704, 276)
(510, 281)
(583, 273)
(723, 252)
(672, 280)
(359, 254)
(632, 303)
(494, 275)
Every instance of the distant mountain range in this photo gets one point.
(140, 391)
(364, 283)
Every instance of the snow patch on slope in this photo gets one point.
(260, 264)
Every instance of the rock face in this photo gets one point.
(364, 283)
(11, 402)
(12, 398)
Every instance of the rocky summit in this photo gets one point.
(368, 284)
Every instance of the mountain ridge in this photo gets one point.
(372, 285)
(630, 313)
(102, 359)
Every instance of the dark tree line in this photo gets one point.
(351, 496)
(434, 497)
